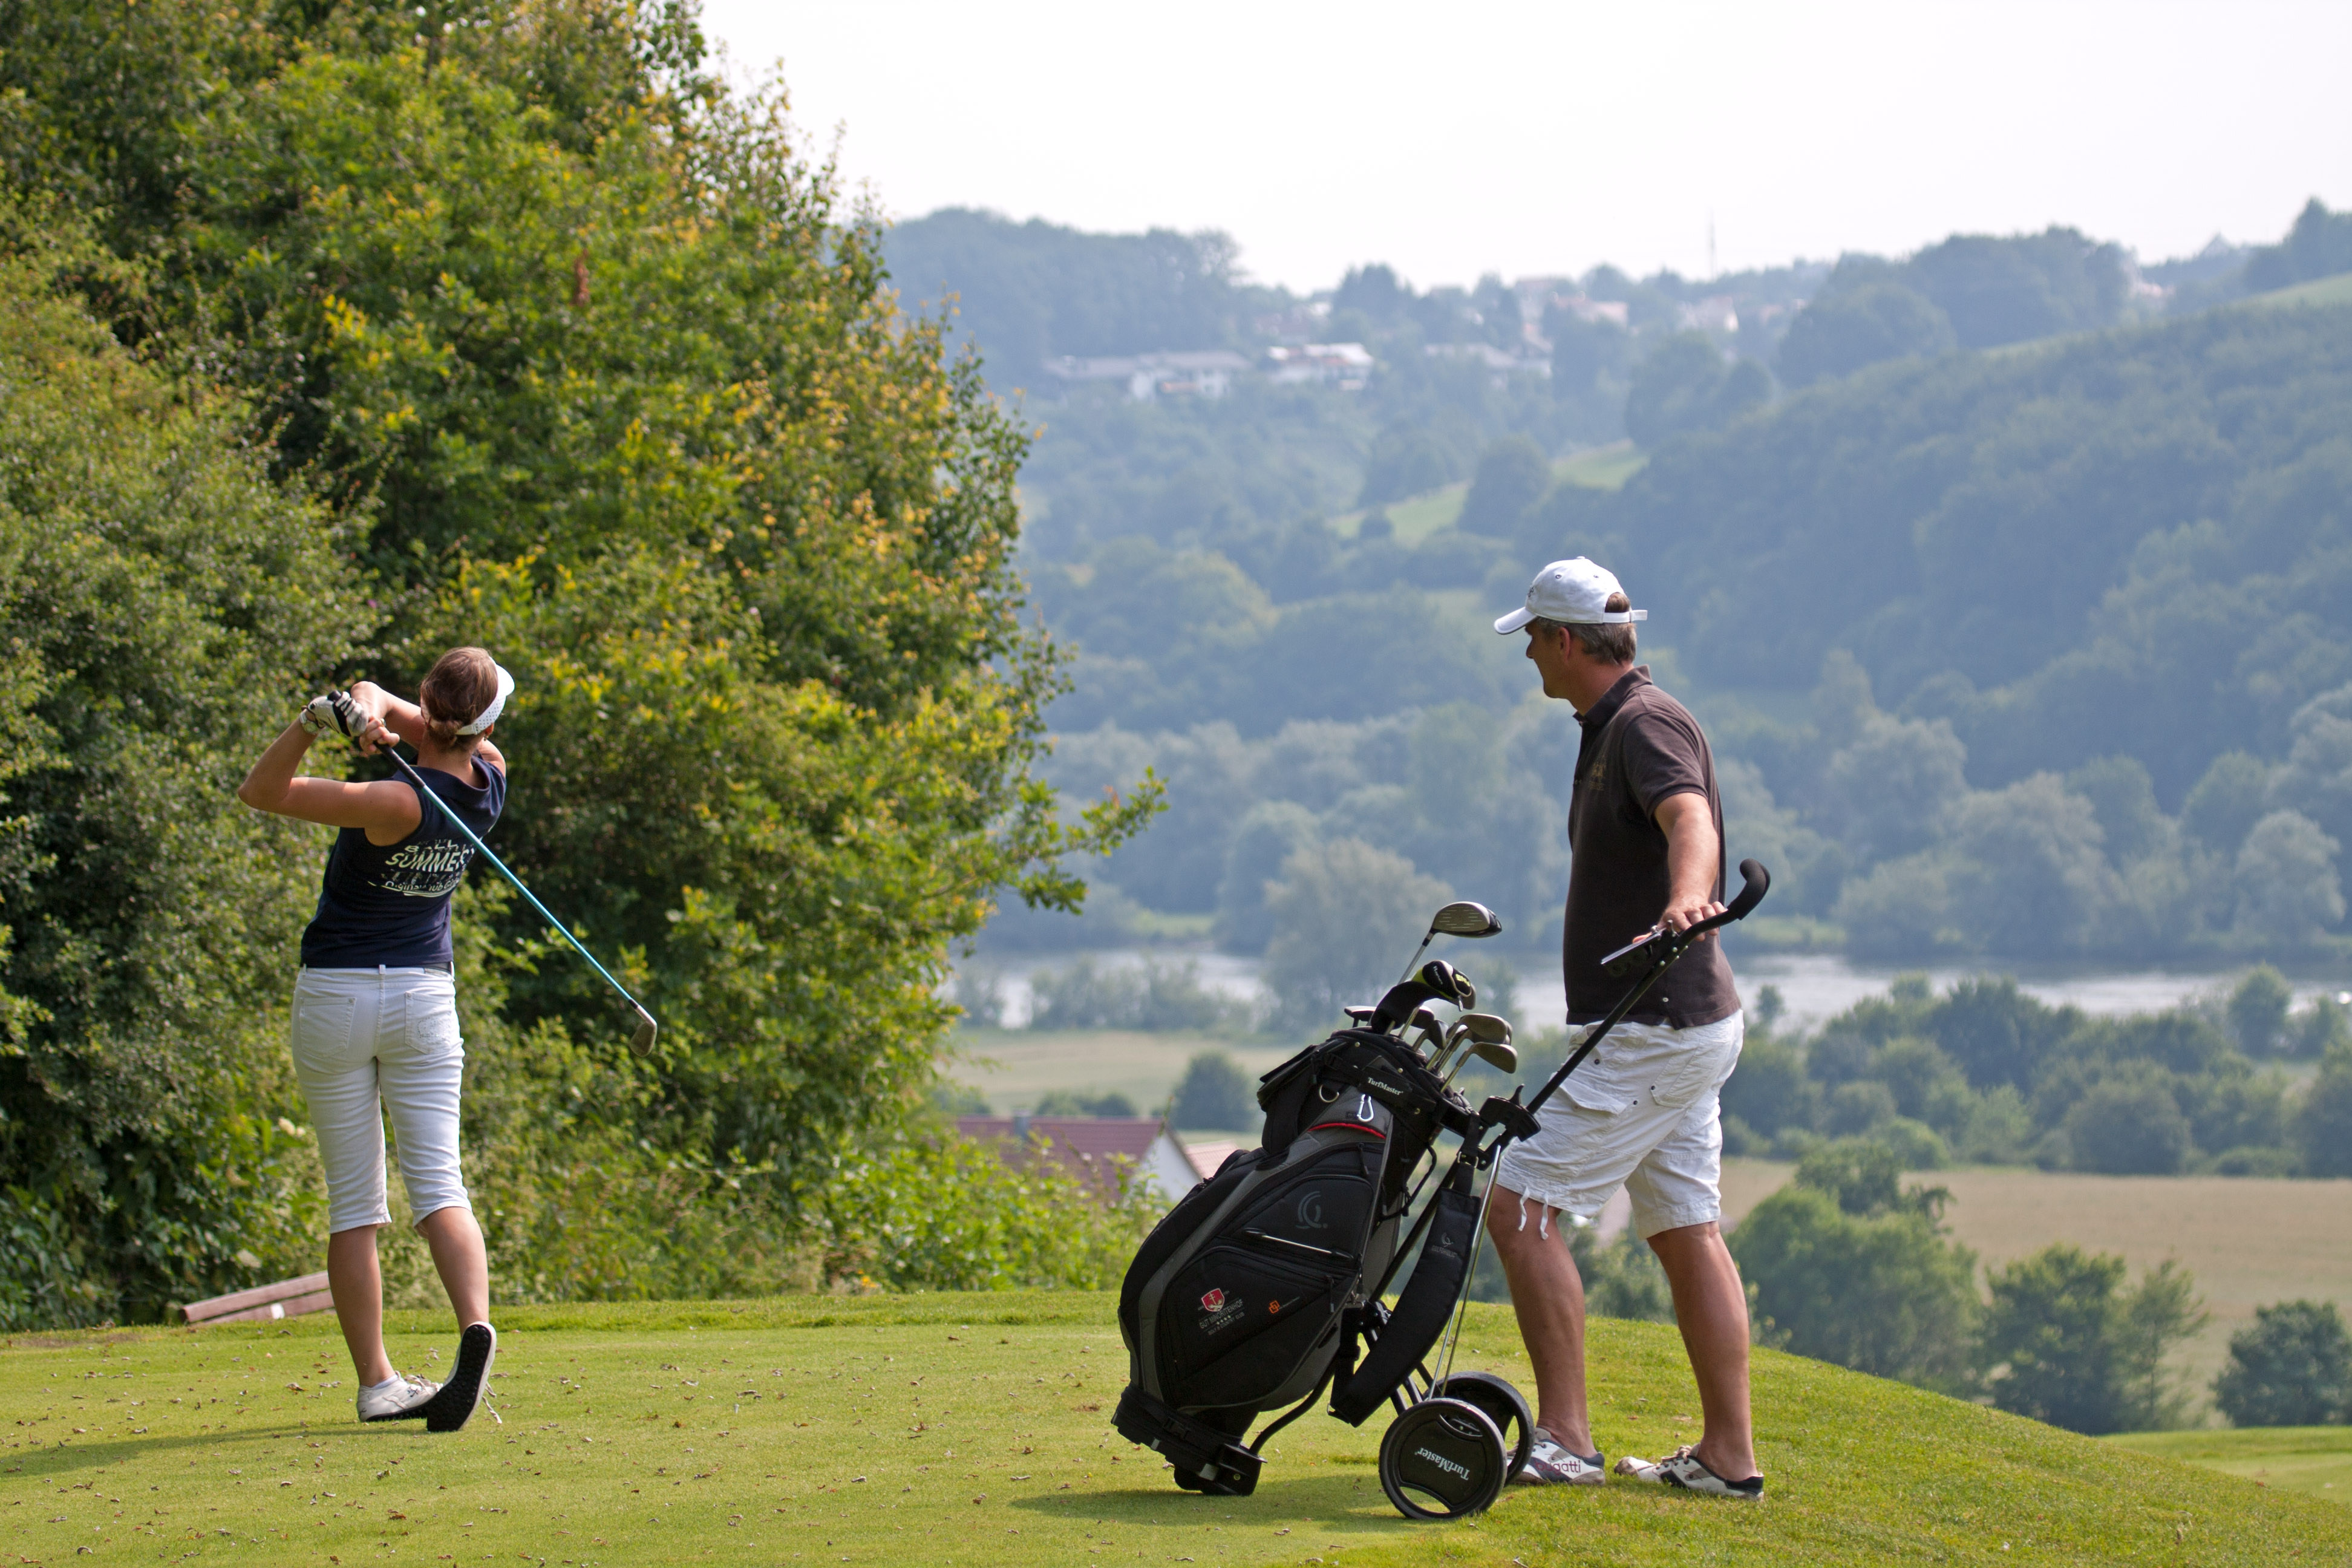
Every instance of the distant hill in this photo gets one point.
(2134, 542)
(2040, 648)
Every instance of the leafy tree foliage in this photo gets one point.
(1840, 331)
(1684, 384)
(2318, 246)
(1034, 290)
(2292, 1367)
(2071, 1344)
(1513, 475)
(163, 602)
(1346, 913)
(1215, 1094)
(590, 364)
(1847, 1269)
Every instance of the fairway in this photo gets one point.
(1013, 1067)
(2249, 1241)
(975, 1429)
(2313, 1459)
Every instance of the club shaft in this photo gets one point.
(491, 855)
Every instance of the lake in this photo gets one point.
(1813, 987)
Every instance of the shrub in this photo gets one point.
(944, 1213)
(2292, 1367)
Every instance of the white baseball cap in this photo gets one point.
(1574, 592)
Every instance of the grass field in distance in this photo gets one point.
(946, 1430)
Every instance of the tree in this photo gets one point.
(165, 606)
(1893, 786)
(2287, 887)
(1215, 1094)
(592, 366)
(1513, 475)
(2069, 1344)
(1346, 914)
(2258, 1009)
(1770, 1091)
(1839, 333)
(1684, 385)
(2129, 1125)
(2227, 801)
(2292, 1367)
(2028, 874)
(1846, 1268)
(2322, 1123)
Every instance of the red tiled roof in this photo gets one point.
(1086, 1146)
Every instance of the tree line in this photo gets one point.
(339, 334)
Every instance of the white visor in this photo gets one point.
(489, 716)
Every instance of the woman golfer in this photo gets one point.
(376, 1008)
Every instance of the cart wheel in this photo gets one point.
(1442, 1459)
(1503, 1406)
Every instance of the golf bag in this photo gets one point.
(1265, 1282)
(1268, 1282)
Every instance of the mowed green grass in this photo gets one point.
(976, 1429)
(2316, 1460)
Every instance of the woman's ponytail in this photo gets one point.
(461, 684)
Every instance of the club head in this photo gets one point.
(1486, 1027)
(1500, 1055)
(642, 1041)
(1465, 919)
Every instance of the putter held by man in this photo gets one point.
(1646, 830)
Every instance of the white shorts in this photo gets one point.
(370, 1040)
(1642, 1112)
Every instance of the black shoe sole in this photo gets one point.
(415, 1413)
(451, 1408)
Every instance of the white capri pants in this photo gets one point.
(372, 1040)
(1642, 1112)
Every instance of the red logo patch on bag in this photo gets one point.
(1213, 1300)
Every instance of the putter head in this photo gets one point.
(642, 1041)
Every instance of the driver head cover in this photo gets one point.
(489, 716)
(1575, 593)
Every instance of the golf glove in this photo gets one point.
(333, 713)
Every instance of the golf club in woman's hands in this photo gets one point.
(369, 733)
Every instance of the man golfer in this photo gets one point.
(375, 1006)
(1645, 829)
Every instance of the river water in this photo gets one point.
(1813, 987)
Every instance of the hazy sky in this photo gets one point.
(1476, 137)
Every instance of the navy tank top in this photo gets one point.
(389, 903)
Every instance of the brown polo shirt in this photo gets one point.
(1640, 746)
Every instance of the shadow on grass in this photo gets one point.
(72, 1458)
(1336, 1503)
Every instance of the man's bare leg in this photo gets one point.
(1711, 1307)
(1547, 1294)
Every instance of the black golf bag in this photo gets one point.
(1265, 1282)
